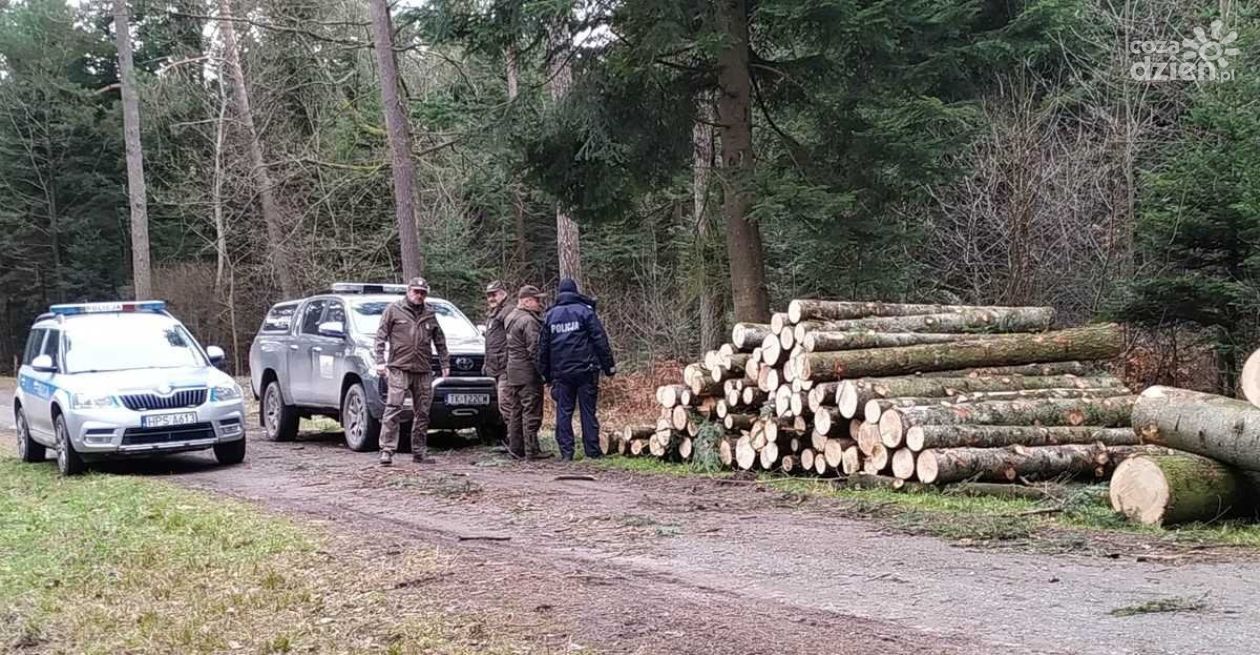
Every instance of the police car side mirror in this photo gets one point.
(43, 363)
(216, 355)
(334, 329)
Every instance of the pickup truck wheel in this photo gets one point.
(68, 461)
(29, 450)
(362, 431)
(231, 452)
(280, 421)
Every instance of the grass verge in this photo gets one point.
(1062, 524)
(111, 564)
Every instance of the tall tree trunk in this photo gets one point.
(520, 255)
(568, 244)
(398, 130)
(702, 169)
(272, 218)
(216, 202)
(142, 273)
(743, 237)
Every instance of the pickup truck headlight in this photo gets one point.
(225, 392)
(93, 401)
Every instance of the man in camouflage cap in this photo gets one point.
(411, 331)
(497, 310)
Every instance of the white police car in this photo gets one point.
(107, 380)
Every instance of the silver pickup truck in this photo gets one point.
(313, 357)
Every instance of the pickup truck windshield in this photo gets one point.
(366, 317)
(123, 342)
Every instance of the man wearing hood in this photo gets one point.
(571, 354)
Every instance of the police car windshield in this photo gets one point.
(367, 317)
(128, 341)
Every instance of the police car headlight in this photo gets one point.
(93, 401)
(225, 392)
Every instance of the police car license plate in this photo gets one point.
(168, 420)
(468, 399)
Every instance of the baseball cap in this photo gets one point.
(529, 291)
(418, 283)
(495, 287)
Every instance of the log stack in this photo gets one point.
(935, 393)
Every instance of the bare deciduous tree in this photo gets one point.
(142, 273)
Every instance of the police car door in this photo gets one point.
(39, 385)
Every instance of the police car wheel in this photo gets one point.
(28, 449)
(68, 461)
(362, 431)
(232, 452)
(280, 421)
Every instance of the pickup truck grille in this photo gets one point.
(138, 436)
(183, 398)
(462, 366)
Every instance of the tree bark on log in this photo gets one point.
(923, 437)
(746, 336)
(1030, 319)
(753, 396)
(832, 310)
(875, 408)
(1169, 489)
(938, 466)
(852, 395)
(1102, 412)
(739, 421)
(1221, 428)
(828, 341)
(1095, 342)
(1028, 394)
(1082, 369)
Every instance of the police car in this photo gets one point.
(106, 380)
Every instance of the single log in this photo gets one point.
(725, 352)
(685, 449)
(736, 361)
(788, 464)
(818, 442)
(720, 374)
(826, 341)
(609, 442)
(852, 395)
(922, 437)
(657, 449)
(1035, 369)
(778, 322)
(868, 438)
(876, 407)
(787, 340)
(710, 359)
(637, 446)
(879, 459)
(1168, 489)
(807, 459)
(820, 464)
(783, 401)
(722, 409)
(828, 422)
(678, 419)
(794, 444)
(772, 353)
(705, 386)
(800, 424)
(769, 456)
(773, 380)
(753, 396)
(669, 395)
(745, 456)
(1016, 319)
(623, 447)
(693, 428)
(982, 396)
(823, 394)
(1102, 412)
(735, 422)
(746, 336)
(834, 449)
(937, 466)
(693, 371)
(1221, 428)
(1094, 342)
(798, 403)
(855, 427)
(903, 463)
(835, 310)
(851, 461)
(726, 452)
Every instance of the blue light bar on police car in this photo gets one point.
(154, 306)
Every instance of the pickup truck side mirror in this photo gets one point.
(44, 364)
(216, 356)
(334, 329)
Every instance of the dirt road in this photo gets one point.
(653, 564)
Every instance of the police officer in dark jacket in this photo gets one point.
(572, 353)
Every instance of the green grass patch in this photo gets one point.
(1162, 605)
(114, 563)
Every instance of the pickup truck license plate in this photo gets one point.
(168, 420)
(468, 399)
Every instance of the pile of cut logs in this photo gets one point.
(934, 393)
